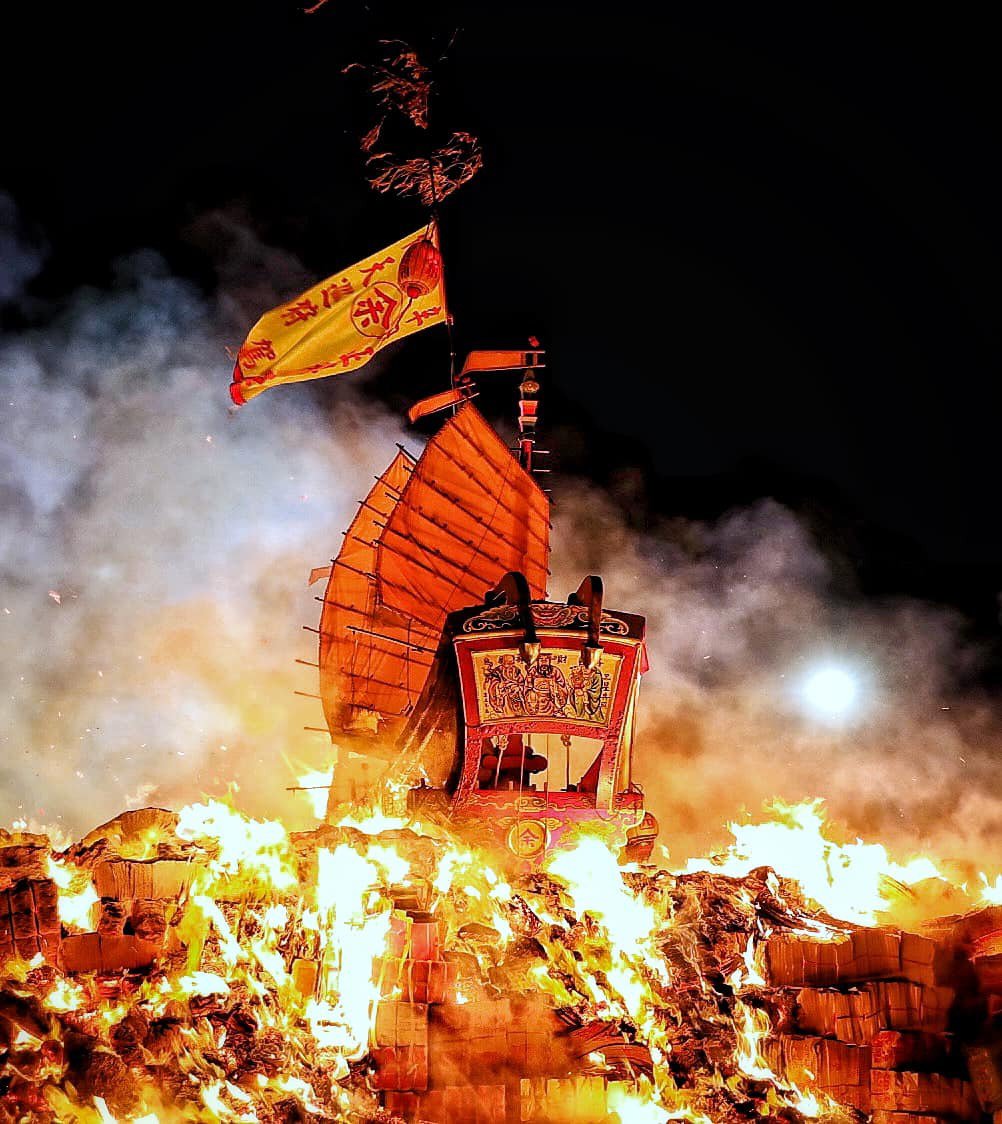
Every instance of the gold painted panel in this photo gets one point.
(556, 686)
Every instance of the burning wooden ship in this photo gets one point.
(440, 655)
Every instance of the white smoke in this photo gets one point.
(738, 611)
(154, 548)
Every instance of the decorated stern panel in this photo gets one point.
(547, 731)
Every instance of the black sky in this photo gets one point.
(761, 247)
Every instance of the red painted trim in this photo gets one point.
(538, 800)
(236, 393)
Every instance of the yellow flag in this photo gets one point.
(339, 324)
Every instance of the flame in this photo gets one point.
(77, 896)
(316, 784)
(292, 936)
(850, 881)
(594, 881)
(65, 996)
(991, 892)
(753, 1028)
(202, 983)
(355, 921)
(640, 1108)
(255, 849)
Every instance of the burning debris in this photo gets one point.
(204, 966)
(400, 87)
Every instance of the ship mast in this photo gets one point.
(528, 412)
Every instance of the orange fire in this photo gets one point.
(263, 992)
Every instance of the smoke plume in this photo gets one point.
(153, 561)
(155, 547)
(740, 611)
(20, 256)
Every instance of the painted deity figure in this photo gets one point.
(546, 690)
(505, 686)
(586, 692)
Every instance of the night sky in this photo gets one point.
(760, 248)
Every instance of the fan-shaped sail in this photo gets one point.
(372, 666)
(430, 537)
(469, 514)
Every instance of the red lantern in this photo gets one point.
(420, 268)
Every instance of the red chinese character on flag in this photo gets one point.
(370, 270)
(253, 352)
(377, 313)
(333, 292)
(350, 357)
(420, 315)
(301, 311)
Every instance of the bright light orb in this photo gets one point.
(830, 692)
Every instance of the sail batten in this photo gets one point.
(542, 539)
(452, 499)
(349, 662)
(483, 579)
(423, 564)
(433, 535)
(421, 628)
(443, 526)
